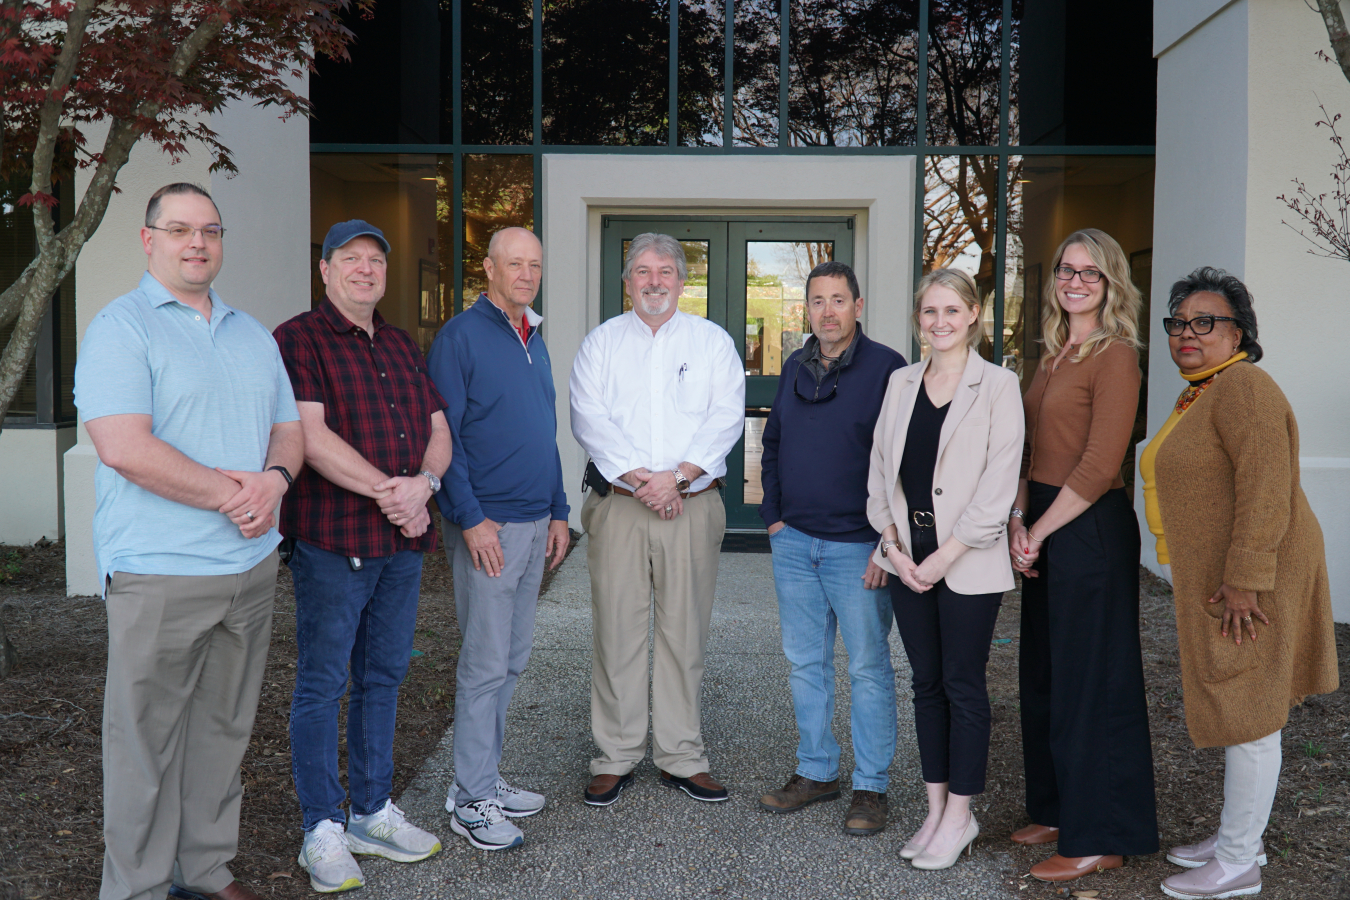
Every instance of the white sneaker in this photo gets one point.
(516, 803)
(486, 826)
(325, 855)
(387, 833)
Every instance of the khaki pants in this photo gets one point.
(642, 566)
(185, 662)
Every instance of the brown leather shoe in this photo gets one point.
(700, 786)
(799, 792)
(866, 814)
(235, 890)
(1067, 868)
(605, 789)
(1035, 834)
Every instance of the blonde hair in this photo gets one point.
(1118, 316)
(964, 287)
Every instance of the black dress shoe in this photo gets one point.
(182, 893)
(605, 789)
(700, 786)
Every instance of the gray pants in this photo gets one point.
(496, 622)
(1250, 776)
(185, 662)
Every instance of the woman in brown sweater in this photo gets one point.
(1249, 574)
(1085, 740)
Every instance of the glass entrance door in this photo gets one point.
(749, 276)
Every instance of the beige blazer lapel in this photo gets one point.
(905, 403)
(962, 401)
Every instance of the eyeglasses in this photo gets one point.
(1087, 276)
(835, 370)
(180, 232)
(1199, 325)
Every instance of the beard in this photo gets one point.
(655, 303)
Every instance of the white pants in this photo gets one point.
(1251, 775)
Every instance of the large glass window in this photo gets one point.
(702, 62)
(965, 67)
(621, 98)
(854, 73)
(496, 75)
(498, 193)
(755, 98)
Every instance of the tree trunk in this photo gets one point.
(1334, 17)
(8, 657)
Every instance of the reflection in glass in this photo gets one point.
(399, 77)
(959, 226)
(702, 61)
(754, 455)
(497, 71)
(401, 194)
(965, 53)
(617, 98)
(866, 96)
(1054, 196)
(775, 300)
(694, 298)
(498, 193)
(755, 79)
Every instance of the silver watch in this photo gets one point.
(431, 480)
(886, 547)
(681, 482)
(1017, 514)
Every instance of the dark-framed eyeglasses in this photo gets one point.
(182, 232)
(834, 388)
(1199, 325)
(1087, 276)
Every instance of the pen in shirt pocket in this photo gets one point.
(684, 367)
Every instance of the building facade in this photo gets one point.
(896, 135)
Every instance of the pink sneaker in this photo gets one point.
(1204, 883)
(1193, 856)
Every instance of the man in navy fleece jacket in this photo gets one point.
(817, 448)
(504, 510)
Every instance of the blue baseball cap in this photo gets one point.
(344, 232)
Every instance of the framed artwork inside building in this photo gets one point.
(429, 290)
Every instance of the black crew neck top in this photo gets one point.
(921, 446)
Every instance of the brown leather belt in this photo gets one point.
(716, 483)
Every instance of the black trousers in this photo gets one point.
(946, 637)
(1085, 740)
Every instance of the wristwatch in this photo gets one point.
(431, 480)
(284, 472)
(681, 483)
(1017, 514)
(886, 547)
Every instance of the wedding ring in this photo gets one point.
(1246, 618)
(669, 508)
(250, 516)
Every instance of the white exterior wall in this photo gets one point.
(31, 471)
(579, 189)
(266, 272)
(1238, 88)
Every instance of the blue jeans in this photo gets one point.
(363, 619)
(820, 588)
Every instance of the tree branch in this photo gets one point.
(1336, 30)
(49, 119)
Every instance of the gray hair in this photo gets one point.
(1208, 279)
(663, 244)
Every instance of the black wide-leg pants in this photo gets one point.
(1085, 739)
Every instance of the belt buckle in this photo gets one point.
(923, 518)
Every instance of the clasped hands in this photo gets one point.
(403, 500)
(1022, 548)
(252, 506)
(920, 577)
(657, 491)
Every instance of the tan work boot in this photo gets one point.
(797, 793)
(866, 814)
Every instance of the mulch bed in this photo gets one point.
(51, 710)
(50, 775)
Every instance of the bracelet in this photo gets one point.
(1017, 514)
(1033, 537)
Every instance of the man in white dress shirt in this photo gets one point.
(658, 401)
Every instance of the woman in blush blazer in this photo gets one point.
(946, 455)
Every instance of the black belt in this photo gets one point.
(922, 518)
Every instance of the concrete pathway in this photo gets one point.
(656, 842)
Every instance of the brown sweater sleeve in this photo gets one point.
(1115, 400)
(1256, 425)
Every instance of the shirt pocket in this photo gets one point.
(692, 390)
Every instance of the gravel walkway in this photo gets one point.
(659, 843)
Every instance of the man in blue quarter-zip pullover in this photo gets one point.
(504, 510)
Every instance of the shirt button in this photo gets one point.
(402, 435)
(405, 471)
(391, 406)
(937, 491)
(382, 375)
(198, 318)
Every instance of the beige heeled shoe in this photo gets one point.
(926, 860)
(910, 850)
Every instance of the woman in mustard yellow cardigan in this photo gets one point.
(1253, 607)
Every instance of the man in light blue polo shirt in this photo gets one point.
(190, 409)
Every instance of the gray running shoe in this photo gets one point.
(325, 855)
(1208, 883)
(1193, 856)
(387, 833)
(485, 826)
(516, 803)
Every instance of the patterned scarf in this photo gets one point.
(1206, 378)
